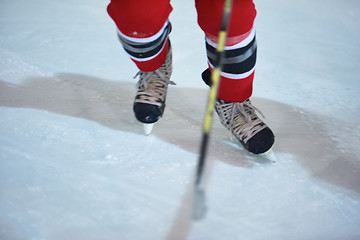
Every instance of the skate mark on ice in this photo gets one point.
(312, 138)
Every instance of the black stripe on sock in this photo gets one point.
(145, 50)
(236, 61)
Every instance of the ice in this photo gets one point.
(75, 164)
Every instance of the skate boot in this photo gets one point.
(152, 87)
(241, 120)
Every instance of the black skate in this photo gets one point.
(150, 98)
(241, 120)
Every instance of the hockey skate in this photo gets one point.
(150, 98)
(242, 121)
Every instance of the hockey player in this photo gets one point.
(143, 30)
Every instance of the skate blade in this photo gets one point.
(148, 128)
(269, 155)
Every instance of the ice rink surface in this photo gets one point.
(75, 164)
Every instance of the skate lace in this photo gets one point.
(152, 86)
(240, 118)
(145, 78)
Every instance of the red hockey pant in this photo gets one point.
(141, 22)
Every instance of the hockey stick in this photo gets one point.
(199, 205)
